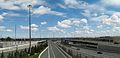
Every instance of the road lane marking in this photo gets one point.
(64, 52)
(52, 51)
(48, 51)
(60, 51)
(43, 52)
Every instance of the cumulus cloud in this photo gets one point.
(64, 23)
(75, 4)
(8, 5)
(71, 22)
(84, 20)
(10, 14)
(76, 22)
(113, 19)
(34, 27)
(45, 10)
(54, 29)
(1, 17)
(9, 30)
(111, 2)
(24, 27)
(62, 6)
(4, 29)
(43, 23)
(19, 4)
(42, 10)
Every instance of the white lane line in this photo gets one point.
(43, 52)
(64, 52)
(52, 51)
(61, 52)
(48, 51)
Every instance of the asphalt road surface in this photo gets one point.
(52, 51)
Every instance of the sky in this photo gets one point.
(60, 18)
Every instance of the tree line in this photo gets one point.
(24, 53)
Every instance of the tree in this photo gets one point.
(2, 55)
(16, 54)
(8, 39)
(2, 39)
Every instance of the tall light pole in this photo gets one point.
(29, 12)
(16, 38)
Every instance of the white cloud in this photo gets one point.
(75, 3)
(1, 17)
(113, 19)
(19, 4)
(9, 30)
(84, 20)
(90, 13)
(8, 5)
(43, 23)
(42, 10)
(64, 23)
(71, 21)
(76, 22)
(45, 10)
(100, 26)
(111, 2)
(34, 27)
(86, 13)
(3, 28)
(62, 6)
(57, 13)
(86, 27)
(10, 14)
(24, 27)
(4, 14)
(53, 28)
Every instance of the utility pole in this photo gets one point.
(29, 17)
(15, 37)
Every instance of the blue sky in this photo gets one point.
(60, 18)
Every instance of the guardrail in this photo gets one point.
(66, 54)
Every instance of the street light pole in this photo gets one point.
(29, 12)
(15, 38)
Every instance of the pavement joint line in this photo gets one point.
(52, 51)
(43, 52)
(61, 52)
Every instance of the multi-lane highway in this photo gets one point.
(21, 46)
(52, 52)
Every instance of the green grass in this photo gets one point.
(34, 56)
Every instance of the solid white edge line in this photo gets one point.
(43, 52)
(65, 52)
(60, 51)
(48, 51)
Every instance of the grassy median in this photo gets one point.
(36, 51)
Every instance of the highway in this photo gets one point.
(52, 52)
(22, 46)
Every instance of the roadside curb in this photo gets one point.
(42, 52)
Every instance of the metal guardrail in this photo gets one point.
(76, 54)
(66, 54)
